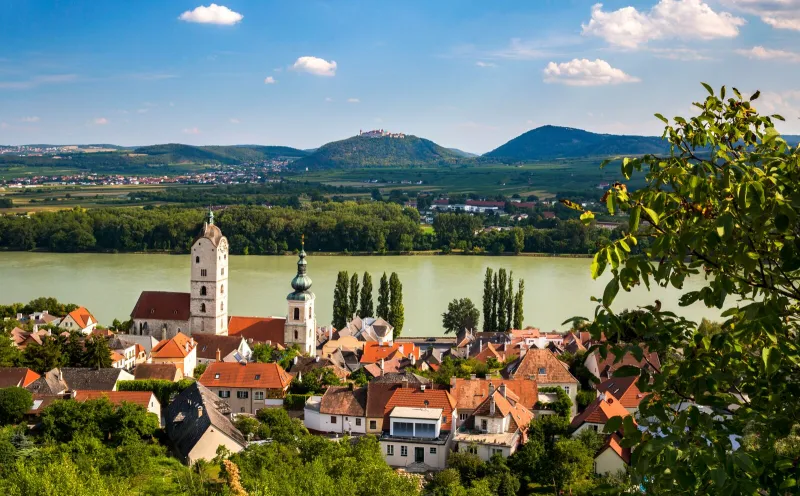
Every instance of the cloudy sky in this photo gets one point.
(466, 73)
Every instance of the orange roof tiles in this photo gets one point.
(612, 442)
(116, 357)
(415, 398)
(373, 351)
(141, 398)
(470, 393)
(506, 405)
(82, 317)
(259, 329)
(16, 377)
(599, 411)
(177, 347)
(625, 389)
(162, 305)
(252, 375)
(543, 367)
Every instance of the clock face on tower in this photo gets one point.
(224, 244)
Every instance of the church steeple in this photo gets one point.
(301, 281)
(210, 217)
(301, 322)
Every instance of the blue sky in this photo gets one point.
(466, 74)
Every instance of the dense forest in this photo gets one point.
(328, 226)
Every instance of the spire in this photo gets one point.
(301, 281)
(210, 217)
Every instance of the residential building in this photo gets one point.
(497, 426)
(418, 428)
(51, 383)
(374, 352)
(80, 320)
(603, 368)
(472, 392)
(197, 424)
(17, 377)
(546, 369)
(248, 387)
(301, 365)
(612, 458)
(145, 399)
(125, 354)
(146, 344)
(180, 350)
(217, 348)
(67, 379)
(598, 413)
(342, 409)
(368, 329)
(625, 390)
(161, 371)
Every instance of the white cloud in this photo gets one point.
(682, 19)
(191, 130)
(101, 121)
(353, 100)
(480, 63)
(37, 81)
(780, 14)
(213, 14)
(269, 80)
(759, 52)
(687, 54)
(328, 99)
(584, 72)
(521, 50)
(315, 65)
(786, 104)
(32, 118)
(234, 120)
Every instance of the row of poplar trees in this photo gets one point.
(350, 298)
(502, 308)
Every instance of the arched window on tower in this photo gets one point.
(309, 312)
(203, 291)
(222, 289)
(296, 314)
(296, 335)
(196, 259)
(203, 307)
(222, 306)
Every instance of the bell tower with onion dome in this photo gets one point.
(301, 321)
(209, 281)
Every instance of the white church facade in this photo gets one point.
(204, 309)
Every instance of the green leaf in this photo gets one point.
(708, 88)
(633, 222)
(596, 269)
(755, 96)
(587, 217)
(652, 214)
(612, 288)
(662, 118)
(610, 202)
(627, 371)
(613, 424)
(744, 462)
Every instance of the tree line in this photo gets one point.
(350, 298)
(502, 307)
(57, 350)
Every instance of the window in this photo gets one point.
(241, 409)
(258, 395)
(389, 450)
(403, 450)
(222, 305)
(433, 451)
(484, 425)
(542, 370)
(216, 376)
(444, 419)
(463, 416)
(223, 271)
(296, 314)
(309, 312)
(203, 291)
(333, 419)
(424, 430)
(566, 389)
(403, 429)
(497, 451)
(257, 377)
(224, 394)
(196, 259)
(358, 422)
(594, 427)
(203, 307)
(242, 395)
(373, 424)
(222, 289)
(472, 449)
(203, 272)
(296, 335)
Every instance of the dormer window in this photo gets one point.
(542, 371)
(216, 376)
(257, 377)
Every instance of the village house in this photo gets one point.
(625, 390)
(146, 344)
(342, 410)
(497, 426)
(125, 354)
(603, 368)
(368, 329)
(145, 399)
(214, 348)
(17, 377)
(51, 383)
(80, 320)
(380, 390)
(197, 424)
(374, 352)
(546, 369)
(597, 414)
(612, 458)
(343, 343)
(67, 379)
(248, 387)
(39, 318)
(161, 371)
(180, 350)
(470, 393)
(301, 365)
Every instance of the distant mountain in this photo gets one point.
(362, 151)
(462, 153)
(549, 142)
(231, 155)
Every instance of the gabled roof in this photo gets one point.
(251, 375)
(164, 371)
(506, 406)
(599, 411)
(374, 351)
(92, 379)
(489, 351)
(307, 364)
(613, 443)
(607, 366)
(146, 342)
(415, 398)
(82, 317)
(208, 344)
(469, 393)
(16, 377)
(541, 366)
(259, 329)
(625, 389)
(177, 347)
(162, 305)
(344, 401)
(378, 394)
(192, 413)
(141, 398)
(49, 384)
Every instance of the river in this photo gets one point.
(109, 284)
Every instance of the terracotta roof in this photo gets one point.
(373, 351)
(16, 377)
(177, 347)
(142, 398)
(489, 351)
(506, 405)
(162, 305)
(165, 371)
(378, 394)
(415, 398)
(469, 393)
(600, 410)
(541, 366)
(608, 366)
(49, 384)
(612, 442)
(344, 401)
(82, 317)
(116, 357)
(42, 401)
(259, 329)
(251, 375)
(530, 332)
(208, 344)
(625, 389)
(307, 364)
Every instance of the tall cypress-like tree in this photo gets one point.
(502, 283)
(510, 302)
(365, 308)
(487, 300)
(340, 303)
(494, 303)
(518, 313)
(383, 298)
(354, 288)
(396, 310)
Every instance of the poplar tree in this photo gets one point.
(502, 283)
(494, 303)
(510, 302)
(365, 308)
(354, 288)
(340, 303)
(396, 310)
(518, 313)
(488, 291)
(383, 298)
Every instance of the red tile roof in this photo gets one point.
(625, 389)
(16, 377)
(166, 371)
(177, 347)
(344, 401)
(599, 411)
(162, 305)
(536, 361)
(506, 405)
(142, 398)
(373, 351)
(82, 317)
(252, 375)
(608, 366)
(415, 398)
(259, 329)
(469, 393)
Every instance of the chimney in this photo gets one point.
(453, 381)
(316, 359)
(422, 387)
(163, 332)
(404, 383)
(402, 349)
(491, 388)
(60, 375)
(491, 405)
(186, 346)
(45, 312)
(35, 327)
(502, 389)
(219, 355)
(467, 350)
(380, 364)
(199, 411)
(522, 350)
(19, 316)
(480, 345)
(330, 333)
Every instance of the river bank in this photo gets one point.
(338, 253)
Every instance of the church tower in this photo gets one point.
(209, 281)
(301, 322)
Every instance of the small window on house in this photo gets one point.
(203, 272)
(542, 371)
(242, 395)
(241, 409)
(444, 419)
(224, 394)
(373, 424)
(358, 422)
(463, 416)
(226, 256)
(222, 289)
(196, 259)
(296, 314)
(472, 449)
(203, 291)
(203, 307)
(333, 419)
(216, 376)
(258, 395)
(497, 451)
(433, 451)
(484, 425)
(403, 450)
(389, 450)
(222, 305)
(223, 271)
(257, 377)
(566, 389)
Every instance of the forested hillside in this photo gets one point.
(360, 151)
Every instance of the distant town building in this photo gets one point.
(380, 133)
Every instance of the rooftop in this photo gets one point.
(417, 413)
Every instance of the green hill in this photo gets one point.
(549, 142)
(361, 151)
(232, 155)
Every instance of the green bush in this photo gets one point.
(162, 388)
(585, 398)
(295, 401)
